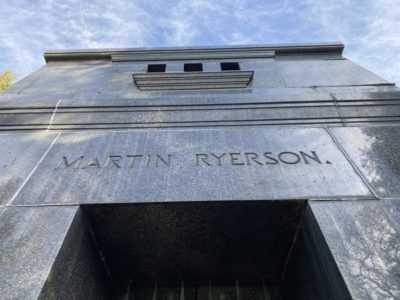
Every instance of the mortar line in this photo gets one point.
(45, 205)
(338, 109)
(33, 171)
(352, 163)
(53, 115)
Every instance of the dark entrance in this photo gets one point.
(222, 250)
(227, 250)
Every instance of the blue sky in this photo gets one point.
(370, 29)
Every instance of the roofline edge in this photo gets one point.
(105, 54)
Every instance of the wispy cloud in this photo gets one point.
(368, 28)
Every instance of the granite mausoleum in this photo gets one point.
(245, 172)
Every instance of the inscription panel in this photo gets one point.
(190, 165)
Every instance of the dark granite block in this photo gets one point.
(370, 109)
(78, 272)
(12, 119)
(364, 238)
(221, 200)
(19, 155)
(238, 96)
(191, 116)
(192, 165)
(312, 272)
(197, 242)
(326, 73)
(375, 151)
(31, 103)
(55, 79)
(30, 240)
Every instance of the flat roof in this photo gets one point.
(203, 52)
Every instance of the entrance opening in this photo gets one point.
(227, 250)
(201, 250)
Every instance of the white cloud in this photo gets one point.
(30, 29)
(368, 28)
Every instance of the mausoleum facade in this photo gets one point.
(235, 172)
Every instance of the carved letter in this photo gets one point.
(287, 161)
(314, 157)
(114, 159)
(133, 159)
(218, 158)
(203, 157)
(67, 164)
(235, 159)
(92, 163)
(252, 156)
(166, 162)
(271, 161)
(148, 160)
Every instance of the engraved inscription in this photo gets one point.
(211, 159)
(257, 159)
(116, 161)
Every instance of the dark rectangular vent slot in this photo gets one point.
(156, 68)
(230, 66)
(193, 67)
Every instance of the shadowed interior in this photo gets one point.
(202, 243)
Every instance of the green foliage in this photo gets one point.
(6, 79)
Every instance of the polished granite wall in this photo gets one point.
(311, 126)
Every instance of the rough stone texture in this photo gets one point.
(19, 154)
(82, 90)
(78, 271)
(30, 240)
(375, 151)
(344, 249)
(97, 179)
(55, 79)
(341, 72)
(312, 272)
(364, 238)
(197, 242)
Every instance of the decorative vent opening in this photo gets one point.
(230, 66)
(193, 67)
(158, 68)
